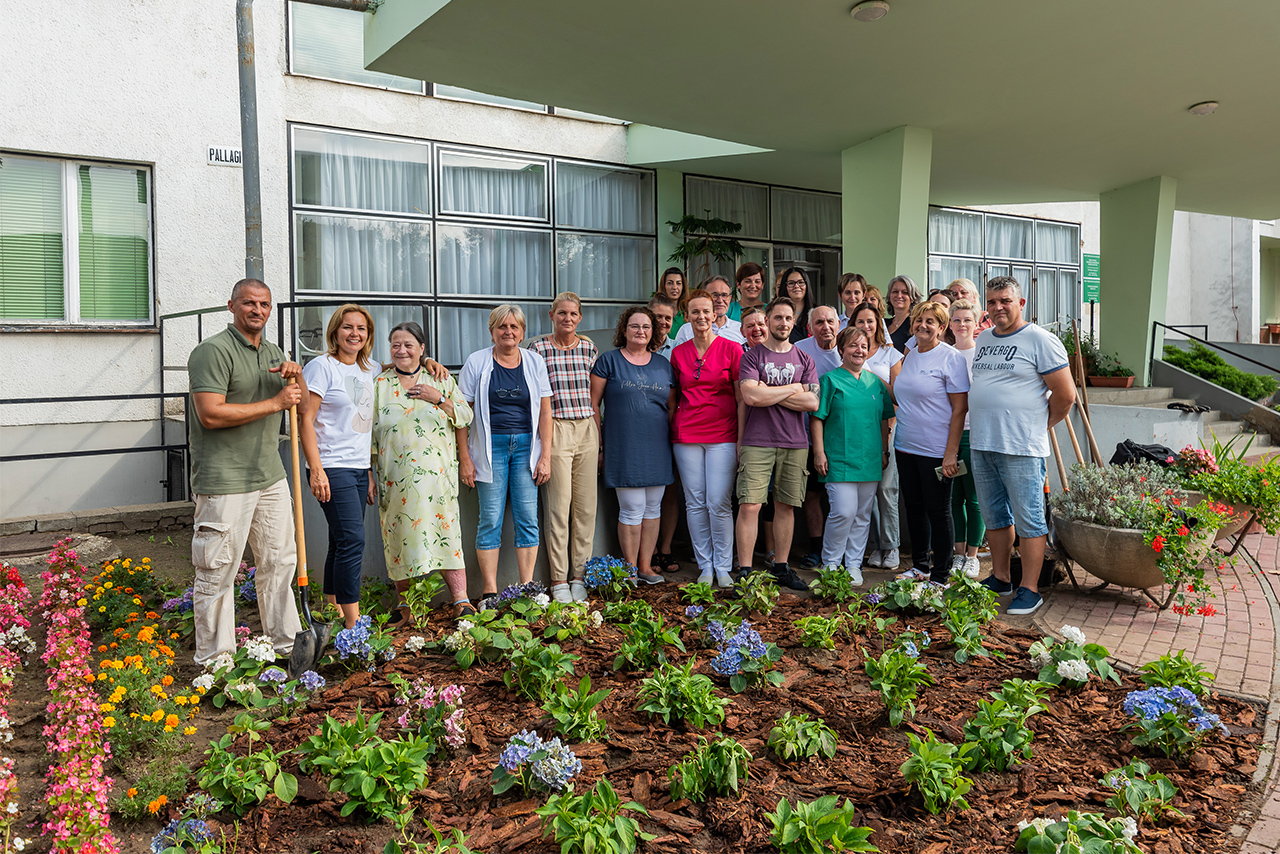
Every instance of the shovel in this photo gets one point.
(308, 644)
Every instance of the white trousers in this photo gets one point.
(845, 540)
(707, 472)
(637, 503)
(223, 524)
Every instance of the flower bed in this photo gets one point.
(15, 646)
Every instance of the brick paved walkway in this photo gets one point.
(1238, 644)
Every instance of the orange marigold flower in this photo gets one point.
(131, 792)
(172, 720)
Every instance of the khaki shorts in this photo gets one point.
(786, 467)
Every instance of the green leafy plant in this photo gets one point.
(697, 593)
(593, 823)
(745, 658)
(569, 620)
(1096, 362)
(677, 693)
(1208, 365)
(536, 669)
(965, 591)
(898, 677)
(1222, 473)
(998, 734)
(454, 842)
(705, 238)
(242, 782)
(797, 736)
(644, 642)
(1071, 660)
(911, 597)
(934, 769)
(335, 742)
(817, 827)
(882, 625)
(1078, 833)
(962, 618)
(1172, 670)
(575, 713)
(711, 768)
(418, 597)
(485, 636)
(833, 584)
(623, 613)
(1170, 720)
(374, 593)
(758, 593)
(1023, 694)
(819, 632)
(1140, 793)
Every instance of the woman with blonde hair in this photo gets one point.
(336, 433)
(903, 297)
(507, 452)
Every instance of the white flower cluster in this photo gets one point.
(6, 730)
(221, 663)
(596, 619)
(1077, 670)
(260, 649)
(928, 596)
(1073, 635)
(542, 600)
(243, 687)
(16, 639)
(460, 639)
(1038, 823)
(204, 680)
(1130, 828)
(1040, 656)
(417, 643)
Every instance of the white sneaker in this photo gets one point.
(561, 592)
(892, 559)
(855, 576)
(723, 578)
(875, 559)
(972, 567)
(706, 578)
(957, 564)
(578, 589)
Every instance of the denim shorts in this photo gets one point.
(511, 476)
(1010, 491)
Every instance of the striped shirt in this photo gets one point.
(570, 372)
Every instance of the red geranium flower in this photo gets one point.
(1158, 543)
(1207, 611)
(1183, 531)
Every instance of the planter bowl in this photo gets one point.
(1116, 555)
(1239, 514)
(1111, 382)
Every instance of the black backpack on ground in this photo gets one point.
(1129, 452)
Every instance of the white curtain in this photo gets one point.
(1044, 306)
(494, 261)
(806, 217)
(603, 199)
(1008, 238)
(1057, 243)
(338, 253)
(491, 187)
(596, 266)
(955, 232)
(466, 330)
(338, 170)
(952, 269)
(744, 203)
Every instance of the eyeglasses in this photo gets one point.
(507, 393)
(719, 296)
(697, 368)
(796, 283)
(636, 326)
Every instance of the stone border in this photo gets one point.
(107, 520)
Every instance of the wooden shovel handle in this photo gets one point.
(298, 533)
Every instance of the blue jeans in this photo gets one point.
(344, 511)
(1010, 491)
(511, 473)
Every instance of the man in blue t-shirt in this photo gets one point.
(1020, 389)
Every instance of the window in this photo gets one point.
(447, 232)
(802, 217)
(329, 43)
(747, 204)
(457, 93)
(75, 242)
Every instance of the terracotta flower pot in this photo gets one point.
(1111, 382)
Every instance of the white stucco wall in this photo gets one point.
(1215, 275)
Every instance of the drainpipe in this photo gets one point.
(253, 263)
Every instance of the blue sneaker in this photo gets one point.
(996, 586)
(1025, 602)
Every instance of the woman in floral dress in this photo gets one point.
(415, 458)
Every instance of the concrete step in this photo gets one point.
(1130, 396)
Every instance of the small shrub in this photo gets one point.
(998, 733)
(898, 677)
(1140, 793)
(758, 593)
(485, 636)
(570, 620)
(623, 613)
(575, 711)
(1174, 670)
(1078, 833)
(373, 773)
(643, 646)
(536, 669)
(819, 632)
(418, 597)
(609, 577)
(677, 693)
(535, 765)
(1071, 660)
(435, 714)
(1170, 720)
(711, 768)
(243, 782)
(817, 827)
(911, 597)
(1208, 365)
(797, 736)
(934, 769)
(697, 593)
(745, 658)
(593, 823)
(833, 584)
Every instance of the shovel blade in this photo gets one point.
(308, 647)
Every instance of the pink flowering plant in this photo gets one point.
(15, 646)
(1222, 473)
(435, 713)
(76, 739)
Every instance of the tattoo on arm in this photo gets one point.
(812, 387)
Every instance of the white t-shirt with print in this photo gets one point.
(1009, 403)
(924, 409)
(344, 424)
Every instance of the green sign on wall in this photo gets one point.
(1092, 278)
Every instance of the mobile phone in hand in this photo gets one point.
(961, 470)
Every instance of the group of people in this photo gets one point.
(709, 394)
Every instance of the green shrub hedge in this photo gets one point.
(1208, 365)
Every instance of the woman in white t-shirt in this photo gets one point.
(884, 361)
(932, 393)
(337, 432)
(965, 514)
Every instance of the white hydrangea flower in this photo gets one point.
(1130, 829)
(1074, 635)
(242, 687)
(1039, 653)
(596, 619)
(1077, 670)
(542, 600)
(454, 642)
(415, 644)
(260, 649)
(465, 626)
(222, 661)
(204, 680)
(1038, 823)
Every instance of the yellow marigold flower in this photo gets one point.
(108, 722)
(89, 677)
(156, 689)
(82, 602)
(137, 601)
(195, 698)
(106, 707)
(172, 720)
(102, 609)
(146, 560)
(167, 680)
(189, 730)
(108, 585)
(180, 700)
(157, 715)
(133, 715)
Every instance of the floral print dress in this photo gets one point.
(415, 458)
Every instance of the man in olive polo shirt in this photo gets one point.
(239, 387)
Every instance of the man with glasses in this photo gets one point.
(723, 326)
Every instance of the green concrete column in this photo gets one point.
(1137, 232)
(885, 205)
(669, 188)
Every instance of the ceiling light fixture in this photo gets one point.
(1203, 108)
(869, 10)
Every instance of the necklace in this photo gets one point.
(413, 373)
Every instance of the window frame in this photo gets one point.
(502, 157)
(293, 177)
(71, 318)
(290, 29)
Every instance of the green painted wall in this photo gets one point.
(1136, 236)
(670, 192)
(885, 205)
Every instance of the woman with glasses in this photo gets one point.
(795, 285)
(903, 297)
(750, 287)
(932, 393)
(885, 362)
(671, 284)
(507, 452)
(851, 290)
(704, 428)
(965, 513)
(965, 289)
(636, 386)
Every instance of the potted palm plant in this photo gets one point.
(706, 238)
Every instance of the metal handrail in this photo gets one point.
(1151, 357)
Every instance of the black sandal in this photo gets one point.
(664, 563)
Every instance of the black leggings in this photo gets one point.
(927, 501)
